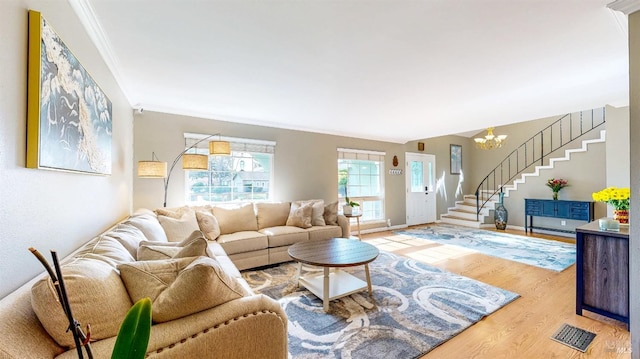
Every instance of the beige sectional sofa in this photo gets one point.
(202, 307)
(266, 239)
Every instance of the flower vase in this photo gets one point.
(500, 214)
(555, 196)
(621, 215)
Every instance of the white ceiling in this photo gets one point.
(391, 70)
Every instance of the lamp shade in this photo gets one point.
(152, 169)
(219, 148)
(195, 162)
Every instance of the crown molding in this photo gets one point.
(92, 26)
(625, 6)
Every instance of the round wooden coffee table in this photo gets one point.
(334, 253)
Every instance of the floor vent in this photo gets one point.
(576, 338)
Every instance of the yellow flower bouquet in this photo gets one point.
(616, 197)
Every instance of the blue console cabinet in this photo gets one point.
(575, 210)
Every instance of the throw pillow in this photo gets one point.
(178, 229)
(300, 216)
(331, 214)
(317, 217)
(236, 219)
(180, 287)
(208, 225)
(272, 214)
(195, 246)
(97, 297)
(176, 212)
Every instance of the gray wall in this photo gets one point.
(49, 209)
(305, 163)
(617, 149)
(447, 186)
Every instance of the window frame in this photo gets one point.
(364, 155)
(238, 146)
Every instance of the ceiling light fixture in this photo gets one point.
(190, 161)
(490, 141)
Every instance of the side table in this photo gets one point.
(357, 217)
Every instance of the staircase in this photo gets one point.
(477, 210)
(464, 212)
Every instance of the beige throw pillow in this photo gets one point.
(300, 216)
(180, 287)
(97, 297)
(236, 219)
(208, 224)
(178, 229)
(317, 217)
(176, 212)
(331, 214)
(194, 246)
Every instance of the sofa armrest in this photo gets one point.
(249, 327)
(345, 224)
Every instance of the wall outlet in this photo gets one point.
(563, 223)
(388, 222)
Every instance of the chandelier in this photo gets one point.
(490, 141)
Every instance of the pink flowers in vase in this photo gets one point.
(556, 184)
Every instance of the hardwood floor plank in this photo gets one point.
(522, 328)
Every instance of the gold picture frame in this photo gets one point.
(69, 117)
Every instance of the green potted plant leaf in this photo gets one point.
(347, 209)
(133, 336)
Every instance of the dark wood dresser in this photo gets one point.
(602, 271)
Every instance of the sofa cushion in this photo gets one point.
(236, 219)
(272, 214)
(245, 241)
(194, 246)
(129, 236)
(177, 229)
(285, 235)
(317, 215)
(96, 295)
(317, 233)
(300, 215)
(105, 249)
(331, 214)
(208, 224)
(148, 223)
(179, 287)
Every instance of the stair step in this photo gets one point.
(464, 214)
(445, 218)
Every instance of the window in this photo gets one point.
(360, 177)
(245, 175)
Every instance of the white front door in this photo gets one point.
(421, 195)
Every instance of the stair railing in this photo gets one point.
(535, 151)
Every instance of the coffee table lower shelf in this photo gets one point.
(340, 284)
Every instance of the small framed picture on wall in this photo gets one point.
(456, 159)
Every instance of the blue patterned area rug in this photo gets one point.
(417, 307)
(543, 253)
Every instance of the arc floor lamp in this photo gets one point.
(190, 161)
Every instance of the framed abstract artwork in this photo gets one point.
(68, 115)
(456, 159)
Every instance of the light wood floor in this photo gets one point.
(522, 328)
